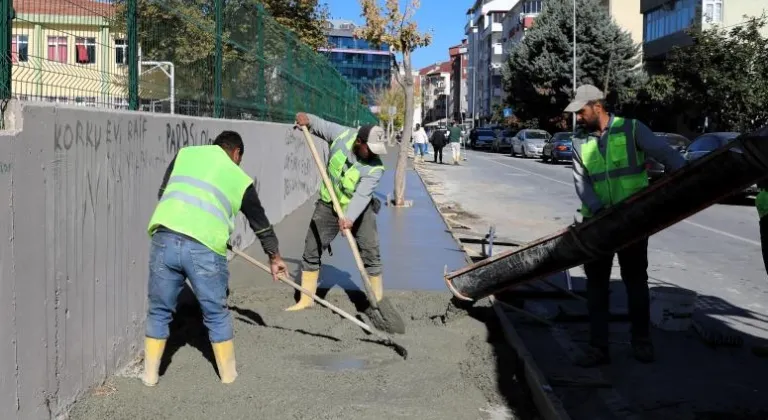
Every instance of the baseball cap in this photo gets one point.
(584, 95)
(375, 139)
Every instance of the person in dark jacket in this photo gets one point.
(438, 140)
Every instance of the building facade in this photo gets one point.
(67, 52)
(435, 92)
(665, 22)
(486, 56)
(458, 97)
(366, 67)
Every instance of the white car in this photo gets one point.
(529, 143)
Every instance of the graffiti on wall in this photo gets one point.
(299, 172)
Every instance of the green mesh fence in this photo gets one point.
(204, 58)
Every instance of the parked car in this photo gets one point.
(503, 141)
(678, 142)
(483, 139)
(558, 148)
(708, 142)
(529, 143)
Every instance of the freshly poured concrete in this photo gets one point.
(315, 365)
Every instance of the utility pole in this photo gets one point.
(574, 61)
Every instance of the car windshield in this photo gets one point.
(675, 140)
(535, 135)
(562, 137)
(485, 133)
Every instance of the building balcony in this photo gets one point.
(493, 27)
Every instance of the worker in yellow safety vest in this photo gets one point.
(761, 202)
(354, 168)
(608, 167)
(202, 191)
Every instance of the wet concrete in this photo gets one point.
(314, 364)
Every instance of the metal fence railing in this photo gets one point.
(210, 58)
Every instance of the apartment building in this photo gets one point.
(366, 67)
(435, 91)
(665, 22)
(485, 56)
(66, 51)
(458, 97)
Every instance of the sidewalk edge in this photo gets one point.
(549, 405)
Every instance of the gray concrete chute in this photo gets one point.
(81, 185)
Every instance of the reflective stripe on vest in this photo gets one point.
(202, 197)
(619, 173)
(344, 174)
(761, 202)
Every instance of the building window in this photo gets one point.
(19, 48)
(532, 6)
(57, 49)
(668, 19)
(121, 52)
(85, 50)
(713, 11)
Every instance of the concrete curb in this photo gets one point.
(549, 405)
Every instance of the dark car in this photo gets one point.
(503, 141)
(706, 143)
(559, 147)
(483, 138)
(678, 142)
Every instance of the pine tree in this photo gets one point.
(539, 73)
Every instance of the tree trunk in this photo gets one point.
(405, 143)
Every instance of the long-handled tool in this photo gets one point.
(382, 313)
(387, 340)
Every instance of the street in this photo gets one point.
(715, 252)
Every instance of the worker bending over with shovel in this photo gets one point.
(355, 169)
(202, 191)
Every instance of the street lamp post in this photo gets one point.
(574, 60)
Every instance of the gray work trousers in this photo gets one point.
(325, 226)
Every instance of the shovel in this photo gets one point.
(387, 341)
(382, 313)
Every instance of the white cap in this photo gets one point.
(376, 143)
(584, 95)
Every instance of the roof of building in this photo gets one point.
(66, 7)
(444, 67)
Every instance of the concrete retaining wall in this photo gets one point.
(79, 186)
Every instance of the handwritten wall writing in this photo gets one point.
(91, 134)
(7, 167)
(299, 172)
(184, 134)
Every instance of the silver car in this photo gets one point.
(529, 143)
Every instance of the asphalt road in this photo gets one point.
(715, 252)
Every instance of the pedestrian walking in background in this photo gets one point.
(202, 191)
(438, 140)
(455, 139)
(608, 167)
(420, 141)
(761, 202)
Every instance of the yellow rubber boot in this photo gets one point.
(377, 286)
(224, 353)
(153, 352)
(309, 282)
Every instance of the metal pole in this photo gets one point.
(574, 60)
(133, 56)
(173, 89)
(218, 60)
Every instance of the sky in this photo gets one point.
(446, 23)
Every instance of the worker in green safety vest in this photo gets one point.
(202, 191)
(609, 167)
(354, 168)
(761, 202)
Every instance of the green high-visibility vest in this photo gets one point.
(621, 172)
(761, 202)
(344, 174)
(202, 197)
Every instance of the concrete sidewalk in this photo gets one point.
(315, 365)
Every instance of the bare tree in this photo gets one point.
(386, 24)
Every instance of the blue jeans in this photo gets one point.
(420, 149)
(174, 258)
